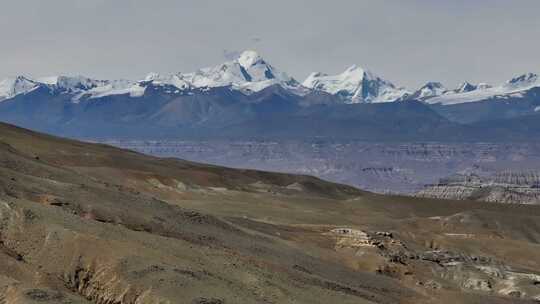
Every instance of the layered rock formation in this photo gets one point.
(502, 187)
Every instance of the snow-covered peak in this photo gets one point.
(524, 80)
(435, 86)
(249, 58)
(350, 81)
(357, 71)
(175, 80)
(257, 69)
(429, 90)
(72, 84)
(248, 72)
(355, 85)
(465, 87)
(516, 87)
(226, 74)
(14, 86)
(152, 76)
(112, 87)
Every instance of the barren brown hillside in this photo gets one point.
(86, 223)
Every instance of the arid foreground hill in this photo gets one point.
(84, 223)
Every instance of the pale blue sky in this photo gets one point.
(406, 41)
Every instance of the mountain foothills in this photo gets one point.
(248, 97)
(89, 223)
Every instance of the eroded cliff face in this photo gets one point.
(466, 271)
(502, 187)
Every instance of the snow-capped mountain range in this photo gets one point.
(248, 98)
(12, 87)
(250, 73)
(515, 87)
(356, 85)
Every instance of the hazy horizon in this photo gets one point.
(406, 42)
